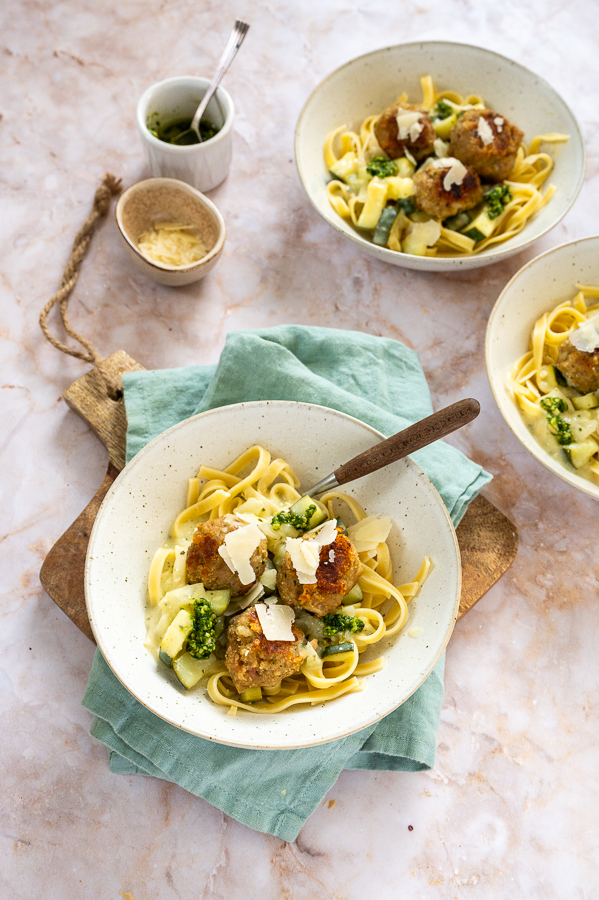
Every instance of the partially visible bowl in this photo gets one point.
(155, 200)
(133, 522)
(537, 288)
(367, 85)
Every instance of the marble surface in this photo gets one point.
(511, 807)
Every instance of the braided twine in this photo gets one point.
(110, 187)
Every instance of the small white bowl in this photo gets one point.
(537, 288)
(203, 165)
(133, 522)
(147, 203)
(367, 85)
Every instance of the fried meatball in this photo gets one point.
(493, 159)
(254, 661)
(581, 369)
(205, 564)
(387, 133)
(434, 199)
(335, 576)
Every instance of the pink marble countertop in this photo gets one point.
(511, 808)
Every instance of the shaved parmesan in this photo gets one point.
(499, 123)
(276, 621)
(327, 533)
(367, 534)
(409, 126)
(305, 552)
(586, 337)
(409, 156)
(253, 594)
(485, 132)
(441, 147)
(456, 173)
(331, 556)
(237, 551)
(305, 556)
(269, 579)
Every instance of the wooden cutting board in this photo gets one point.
(488, 541)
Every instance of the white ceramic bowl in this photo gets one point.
(147, 203)
(539, 286)
(203, 165)
(368, 84)
(134, 519)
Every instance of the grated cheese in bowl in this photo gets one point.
(172, 244)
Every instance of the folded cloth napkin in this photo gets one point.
(378, 381)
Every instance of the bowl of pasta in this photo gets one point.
(242, 611)
(542, 357)
(439, 156)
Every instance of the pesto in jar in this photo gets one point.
(173, 132)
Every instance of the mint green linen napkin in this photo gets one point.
(380, 382)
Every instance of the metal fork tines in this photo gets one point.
(235, 41)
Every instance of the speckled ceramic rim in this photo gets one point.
(139, 461)
(383, 253)
(181, 186)
(507, 405)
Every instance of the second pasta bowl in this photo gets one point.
(148, 498)
(336, 127)
(530, 361)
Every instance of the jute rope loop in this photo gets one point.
(110, 187)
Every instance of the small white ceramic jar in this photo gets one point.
(203, 165)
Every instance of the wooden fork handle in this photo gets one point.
(408, 441)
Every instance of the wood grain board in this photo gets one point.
(488, 541)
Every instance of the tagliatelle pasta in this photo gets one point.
(256, 487)
(563, 419)
(381, 204)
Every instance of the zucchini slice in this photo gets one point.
(175, 637)
(345, 647)
(219, 600)
(251, 694)
(587, 401)
(300, 506)
(190, 670)
(353, 596)
(580, 454)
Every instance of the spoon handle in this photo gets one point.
(235, 41)
(402, 444)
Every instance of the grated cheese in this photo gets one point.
(276, 621)
(485, 132)
(172, 244)
(499, 123)
(237, 551)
